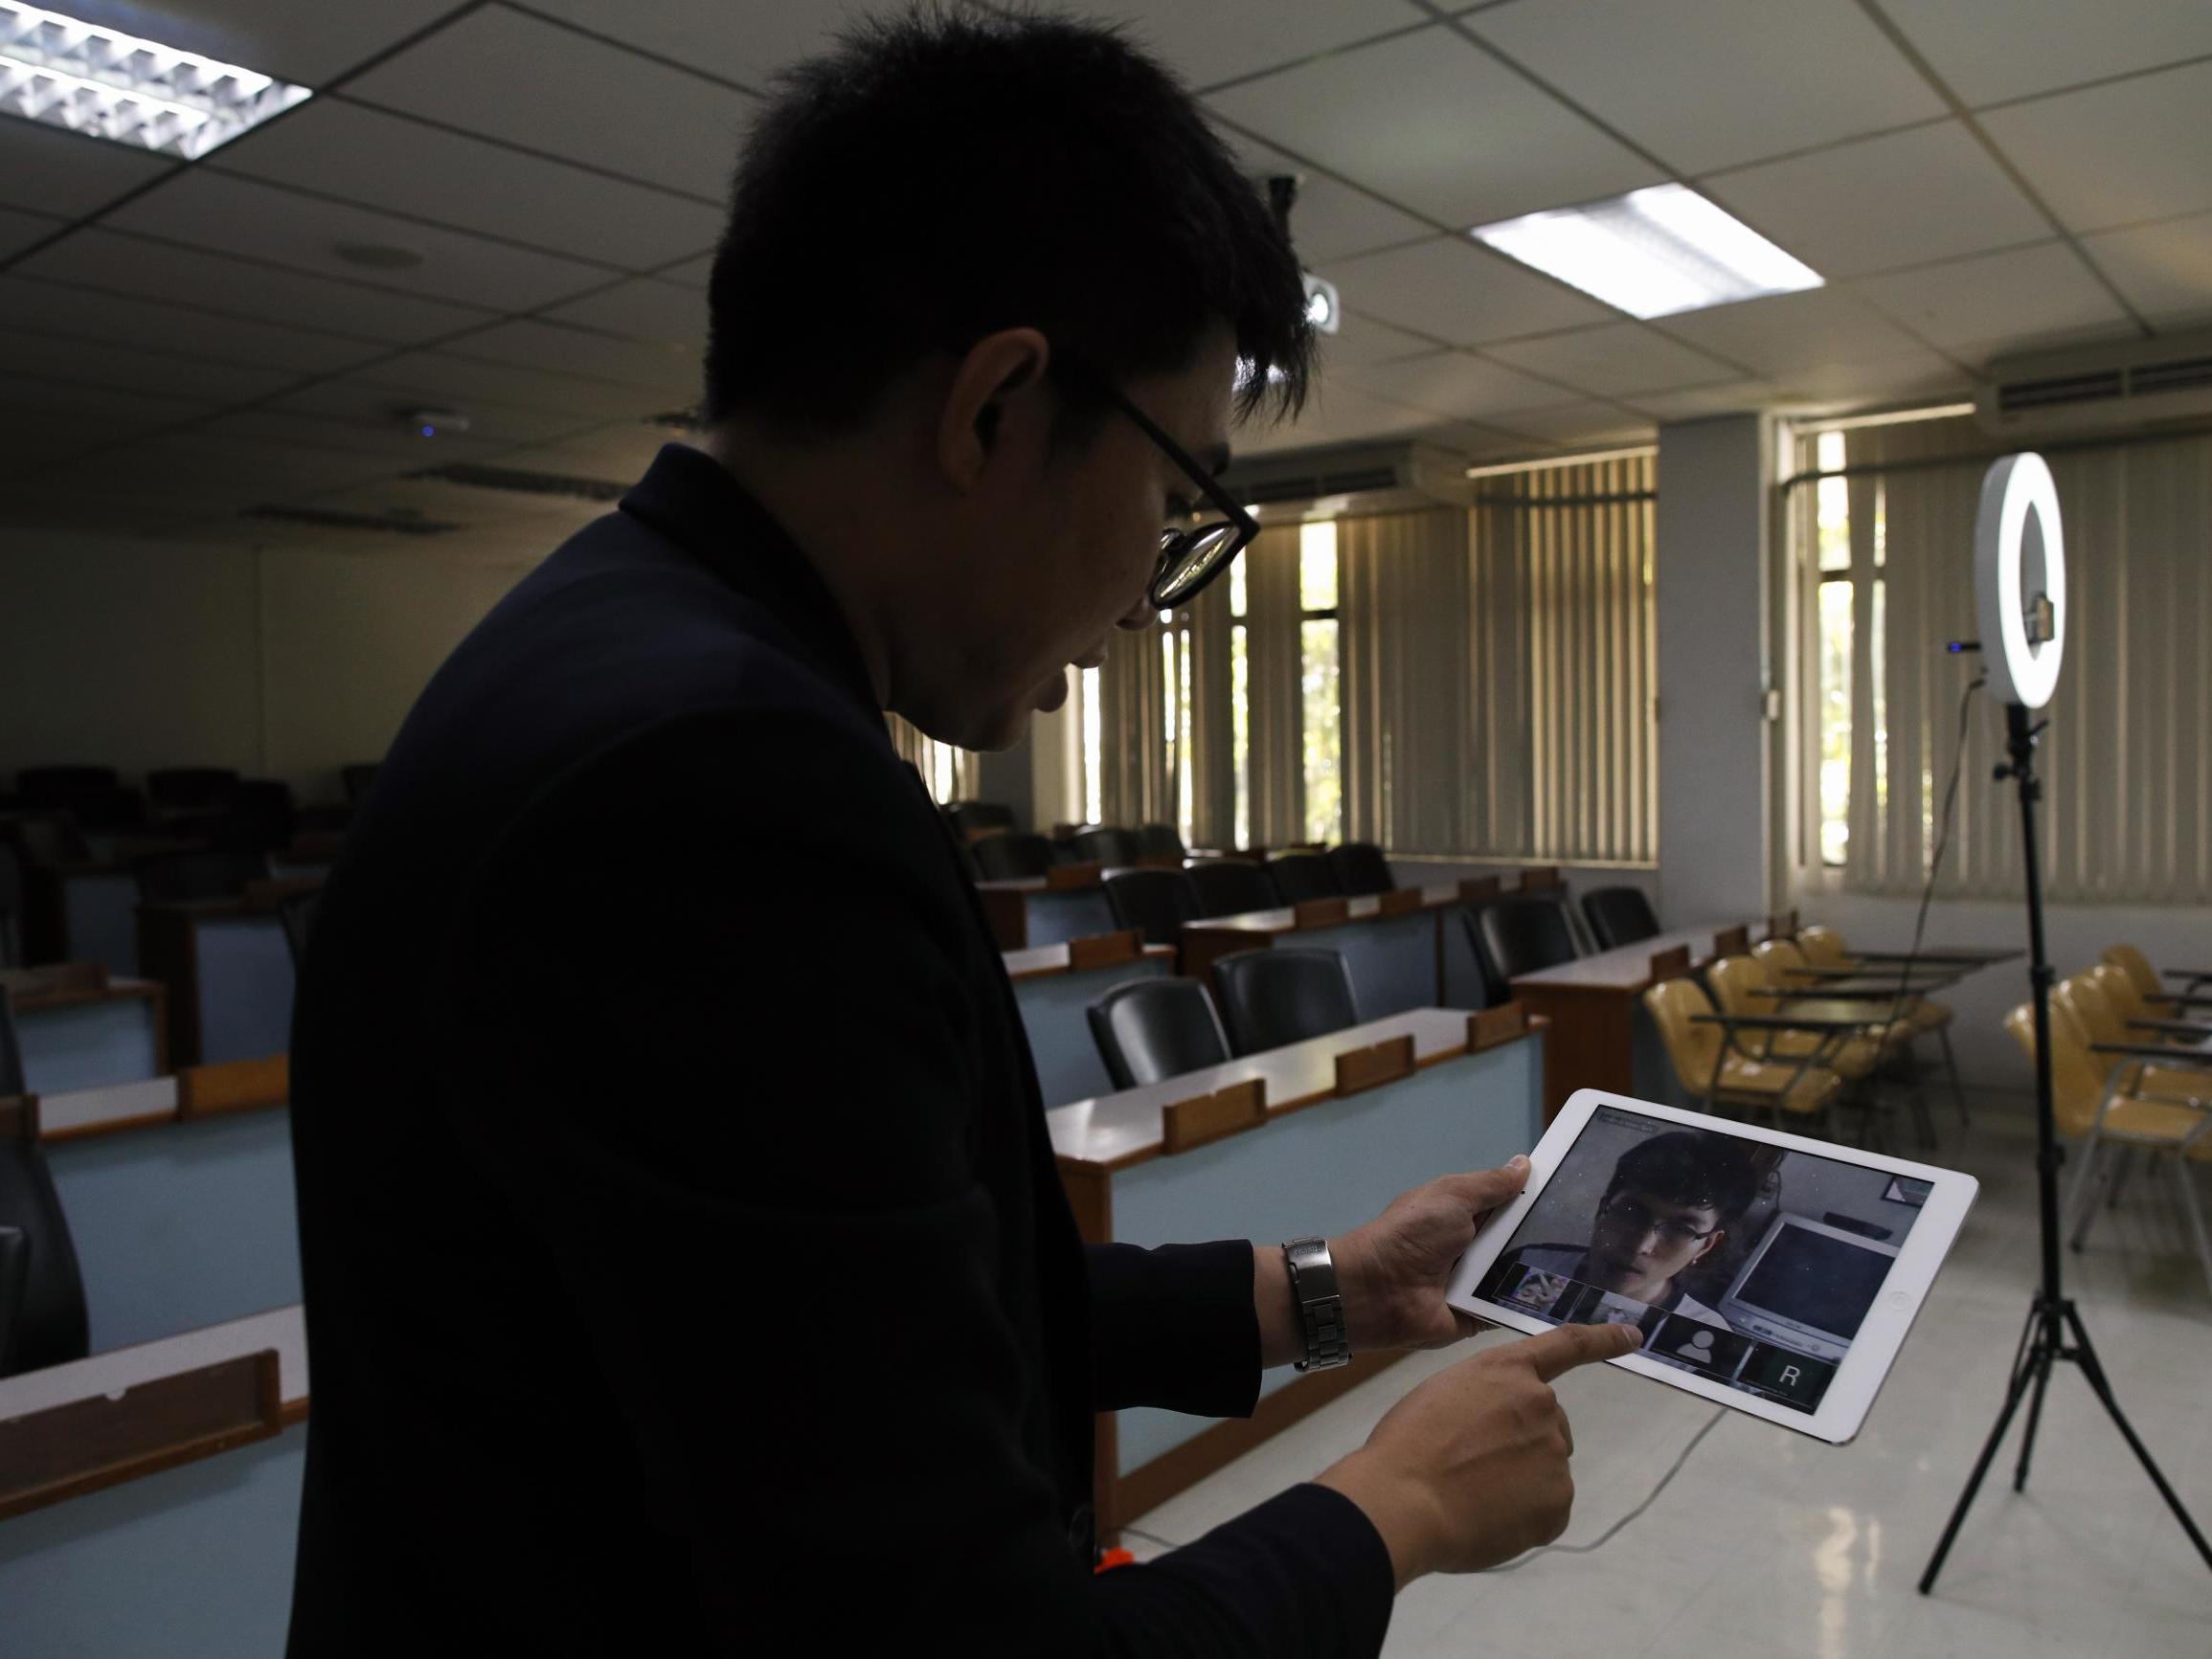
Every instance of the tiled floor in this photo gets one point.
(1770, 1544)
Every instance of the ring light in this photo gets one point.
(2019, 580)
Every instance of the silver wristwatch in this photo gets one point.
(1313, 1278)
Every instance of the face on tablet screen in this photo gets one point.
(1749, 1264)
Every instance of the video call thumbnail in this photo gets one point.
(1746, 1262)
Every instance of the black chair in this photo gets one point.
(58, 785)
(297, 911)
(190, 788)
(260, 816)
(49, 1327)
(1620, 916)
(1360, 868)
(1523, 934)
(1272, 997)
(1011, 856)
(1157, 901)
(14, 1279)
(1303, 876)
(357, 778)
(1151, 1029)
(1104, 846)
(117, 808)
(1160, 840)
(971, 817)
(1231, 887)
(196, 873)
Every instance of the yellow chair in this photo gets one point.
(1824, 948)
(1714, 1066)
(2104, 1107)
(2151, 989)
(2133, 1016)
(1736, 983)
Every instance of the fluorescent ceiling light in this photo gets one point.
(1651, 253)
(106, 84)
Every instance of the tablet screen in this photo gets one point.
(1750, 1264)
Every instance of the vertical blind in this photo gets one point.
(948, 770)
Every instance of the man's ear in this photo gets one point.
(1711, 1246)
(1002, 374)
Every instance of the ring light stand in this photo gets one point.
(2020, 586)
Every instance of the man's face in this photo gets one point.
(1643, 1240)
(1058, 548)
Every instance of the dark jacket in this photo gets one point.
(686, 1268)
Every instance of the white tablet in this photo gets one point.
(1767, 1271)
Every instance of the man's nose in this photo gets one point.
(1141, 615)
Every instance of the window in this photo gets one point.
(1240, 699)
(1848, 588)
(1320, 683)
(1094, 752)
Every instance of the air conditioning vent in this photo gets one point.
(515, 480)
(1367, 478)
(2064, 389)
(398, 522)
(2095, 389)
(2178, 375)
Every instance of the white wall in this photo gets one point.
(280, 664)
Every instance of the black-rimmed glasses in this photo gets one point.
(1635, 1216)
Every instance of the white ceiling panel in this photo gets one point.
(1700, 402)
(386, 407)
(1912, 376)
(156, 270)
(548, 518)
(619, 453)
(1931, 193)
(464, 382)
(1328, 220)
(2119, 155)
(692, 273)
(2039, 45)
(2009, 301)
(52, 172)
(400, 446)
(51, 357)
(507, 75)
(195, 462)
(307, 44)
(387, 161)
(120, 406)
(80, 313)
(669, 371)
(1337, 412)
(1617, 358)
(1454, 383)
(1363, 339)
(1573, 424)
(1223, 39)
(1790, 331)
(2165, 270)
(1437, 125)
(20, 230)
(644, 308)
(1453, 290)
(745, 44)
(259, 221)
(1722, 81)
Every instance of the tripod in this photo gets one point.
(2052, 1317)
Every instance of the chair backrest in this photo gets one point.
(1104, 846)
(2136, 965)
(1360, 868)
(51, 1326)
(1620, 916)
(196, 873)
(297, 911)
(1156, 902)
(15, 1277)
(1151, 1029)
(117, 808)
(357, 778)
(1012, 856)
(191, 787)
(1160, 840)
(1735, 982)
(1524, 933)
(1823, 947)
(2077, 1079)
(43, 784)
(1231, 887)
(1782, 961)
(2121, 990)
(2100, 1016)
(1272, 998)
(1303, 876)
(1692, 1049)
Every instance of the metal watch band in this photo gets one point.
(1313, 1278)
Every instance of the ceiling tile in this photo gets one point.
(131, 368)
(259, 221)
(52, 172)
(399, 445)
(1451, 289)
(1789, 331)
(1223, 39)
(20, 230)
(1437, 125)
(1329, 220)
(620, 453)
(692, 272)
(670, 371)
(194, 461)
(1363, 339)
(582, 98)
(2165, 270)
(462, 382)
(1337, 412)
(387, 161)
(80, 313)
(1998, 302)
(1617, 358)
(307, 44)
(1709, 86)
(132, 406)
(157, 270)
(387, 407)
(1579, 423)
(1455, 382)
(2046, 44)
(2115, 155)
(1912, 376)
(1696, 402)
(1932, 192)
(644, 308)
(747, 45)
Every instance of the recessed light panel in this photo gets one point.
(82, 77)
(1651, 253)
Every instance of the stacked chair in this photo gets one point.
(1720, 1059)
(1824, 948)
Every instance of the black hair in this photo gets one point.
(936, 176)
(1688, 1166)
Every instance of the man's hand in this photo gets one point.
(1391, 1272)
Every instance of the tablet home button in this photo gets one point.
(1901, 1300)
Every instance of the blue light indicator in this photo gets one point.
(429, 432)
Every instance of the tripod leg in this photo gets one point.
(2082, 1202)
(2086, 1357)
(2022, 1367)
(2040, 1362)
(2195, 1214)
(1950, 1065)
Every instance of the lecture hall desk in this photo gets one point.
(229, 973)
(1069, 902)
(82, 1029)
(1406, 948)
(1055, 986)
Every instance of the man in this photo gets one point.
(685, 1256)
(1668, 1207)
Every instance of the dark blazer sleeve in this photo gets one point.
(1175, 1327)
(706, 1053)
